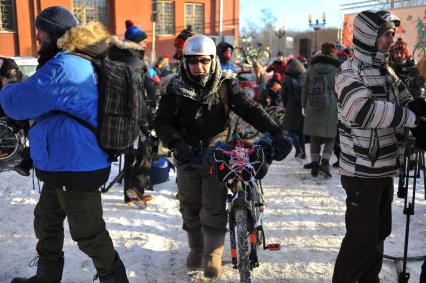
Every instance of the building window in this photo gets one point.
(7, 15)
(194, 16)
(166, 18)
(91, 10)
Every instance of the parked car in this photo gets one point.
(27, 65)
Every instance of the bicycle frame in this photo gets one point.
(239, 168)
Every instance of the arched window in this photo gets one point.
(7, 15)
(91, 10)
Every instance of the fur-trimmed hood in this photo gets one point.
(120, 49)
(124, 44)
(91, 38)
(182, 85)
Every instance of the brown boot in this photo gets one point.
(194, 259)
(213, 250)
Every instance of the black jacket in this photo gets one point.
(181, 118)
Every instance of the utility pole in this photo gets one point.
(154, 18)
(220, 20)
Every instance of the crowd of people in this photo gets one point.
(355, 102)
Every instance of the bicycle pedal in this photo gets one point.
(273, 247)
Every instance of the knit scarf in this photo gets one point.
(205, 91)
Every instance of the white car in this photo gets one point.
(27, 64)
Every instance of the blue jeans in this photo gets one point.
(298, 139)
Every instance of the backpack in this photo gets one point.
(319, 92)
(119, 105)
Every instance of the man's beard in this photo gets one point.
(48, 49)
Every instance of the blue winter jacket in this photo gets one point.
(59, 143)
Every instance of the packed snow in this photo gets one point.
(304, 214)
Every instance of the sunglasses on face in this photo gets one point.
(194, 61)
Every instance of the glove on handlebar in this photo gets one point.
(282, 146)
(182, 152)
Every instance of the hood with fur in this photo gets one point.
(124, 44)
(91, 38)
(183, 85)
(367, 26)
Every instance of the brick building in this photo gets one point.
(17, 32)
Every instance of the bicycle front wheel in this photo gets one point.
(238, 56)
(244, 267)
(263, 56)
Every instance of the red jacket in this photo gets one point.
(278, 67)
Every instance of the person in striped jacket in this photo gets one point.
(372, 110)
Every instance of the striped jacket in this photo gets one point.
(372, 116)
(371, 101)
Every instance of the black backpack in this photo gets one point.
(118, 105)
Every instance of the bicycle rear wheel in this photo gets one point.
(238, 56)
(263, 56)
(244, 267)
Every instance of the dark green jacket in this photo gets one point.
(321, 123)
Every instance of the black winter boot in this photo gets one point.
(310, 164)
(118, 276)
(26, 163)
(48, 271)
(324, 168)
(314, 168)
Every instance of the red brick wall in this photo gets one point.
(22, 43)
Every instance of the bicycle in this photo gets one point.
(241, 166)
(246, 54)
(12, 142)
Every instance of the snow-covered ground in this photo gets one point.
(304, 214)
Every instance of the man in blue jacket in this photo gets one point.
(65, 153)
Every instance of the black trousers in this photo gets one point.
(368, 222)
(423, 274)
(83, 209)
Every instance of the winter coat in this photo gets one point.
(66, 83)
(225, 63)
(291, 93)
(197, 115)
(321, 123)
(371, 104)
(277, 67)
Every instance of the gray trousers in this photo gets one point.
(202, 199)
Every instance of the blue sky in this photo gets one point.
(293, 14)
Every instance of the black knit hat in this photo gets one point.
(55, 20)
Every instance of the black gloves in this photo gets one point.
(419, 133)
(418, 106)
(281, 147)
(182, 152)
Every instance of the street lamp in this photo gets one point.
(280, 33)
(316, 26)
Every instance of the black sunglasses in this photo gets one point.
(194, 61)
